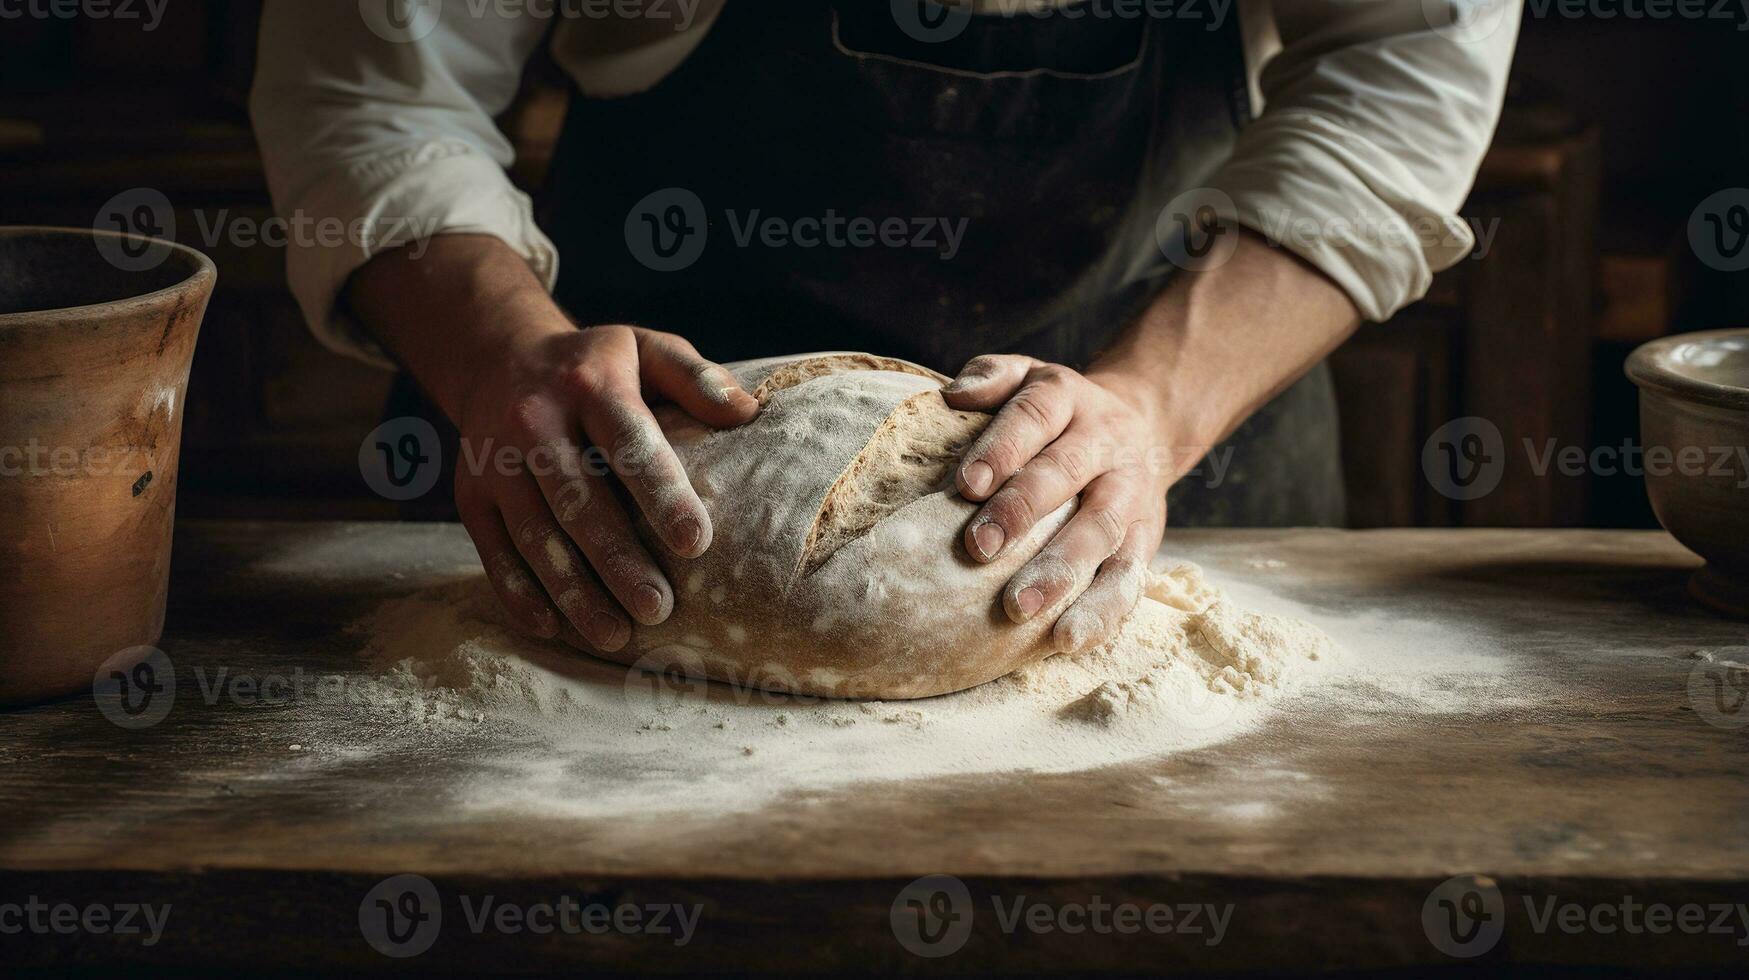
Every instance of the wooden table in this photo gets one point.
(1606, 778)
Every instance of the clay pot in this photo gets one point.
(97, 332)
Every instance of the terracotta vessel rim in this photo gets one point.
(204, 273)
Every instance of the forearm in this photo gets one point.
(1217, 345)
(458, 306)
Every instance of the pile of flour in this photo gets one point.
(1188, 668)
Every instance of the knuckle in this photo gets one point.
(1081, 627)
(1108, 527)
(612, 545)
(633, 447)
(626, 565)
(1072, 463)
(1000, 449)
(583, 384)
(1032, 406)
(531, 532)
(1055, 374)
(709, 377)
(608, 332)
(1126, 567)
(526, 416)
(506, 572)
(577, 602)
(559, 556)
(1013, 509)
(1050, 572)
(702, 372)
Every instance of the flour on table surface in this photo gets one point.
(1187, 669)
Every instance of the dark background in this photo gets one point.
(1616, 130)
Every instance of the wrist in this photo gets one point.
(1162, 365)
(470, 303)
(1181, 426)
(1215, 345)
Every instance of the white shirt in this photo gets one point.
(1372, 124)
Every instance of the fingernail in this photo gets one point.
(978, 475)
(604, 631)
(989, 537)
(685, 533)
(1029, 600)
(648, 599)
(740, 400)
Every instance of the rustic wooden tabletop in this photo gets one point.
(1547, 821)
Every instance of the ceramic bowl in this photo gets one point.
(1694, 425)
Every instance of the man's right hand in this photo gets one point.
(484, 339)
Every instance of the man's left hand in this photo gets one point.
(1057, 434)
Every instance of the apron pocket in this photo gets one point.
(1013, 79)
(993, 44)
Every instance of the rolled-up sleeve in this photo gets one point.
(1374, 123)
(379, 134)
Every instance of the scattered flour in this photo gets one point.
(1187, 669)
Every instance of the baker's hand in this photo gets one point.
(1059, 433)
(571, 405)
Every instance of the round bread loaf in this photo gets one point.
(837, 566)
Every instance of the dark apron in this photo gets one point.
(1057, 141)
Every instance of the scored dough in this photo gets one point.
(836, 566)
